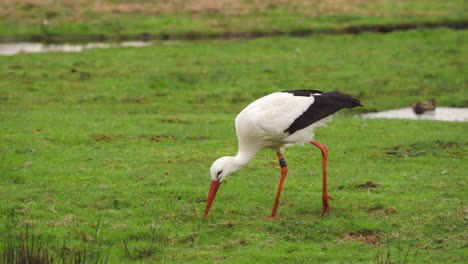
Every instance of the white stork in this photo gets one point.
(276, 121)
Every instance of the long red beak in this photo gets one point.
(211, 195)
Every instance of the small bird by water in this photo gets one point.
(277, 121)
(422, 107)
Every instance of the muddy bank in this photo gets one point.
(9, 49)
(457, 25)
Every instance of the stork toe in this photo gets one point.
(325, 204)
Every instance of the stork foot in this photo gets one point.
(325, 204)
(271, 216)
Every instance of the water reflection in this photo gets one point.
(440, 114)
(9, 49)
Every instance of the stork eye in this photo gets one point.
(219, 173)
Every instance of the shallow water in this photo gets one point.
(440, 114)
(9, 49)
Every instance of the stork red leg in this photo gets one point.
(325, 197)
(284, 172)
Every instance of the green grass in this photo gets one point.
(108, 151)
(133, 17)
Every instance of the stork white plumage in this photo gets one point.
(276, 121)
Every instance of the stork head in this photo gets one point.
(219, 170)
(222, 167)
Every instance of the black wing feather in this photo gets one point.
(303, 92)
(325, 104)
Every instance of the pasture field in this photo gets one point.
(105, 154)
(133, 17)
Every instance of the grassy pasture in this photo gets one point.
(107, 151)
(133, 17)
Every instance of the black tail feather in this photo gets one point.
(325, 104)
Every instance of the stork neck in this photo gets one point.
(245, 155)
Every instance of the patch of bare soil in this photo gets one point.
(437, 148)
(175, 120)
(367, 185)
(157, 138)
(105, 137)
(365, 237)
(113, 137)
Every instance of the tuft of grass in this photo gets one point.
(26, 247)
(22, 243)
(397, 256)
(150, 244)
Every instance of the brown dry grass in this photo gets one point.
(371, 239)
(34, 11)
